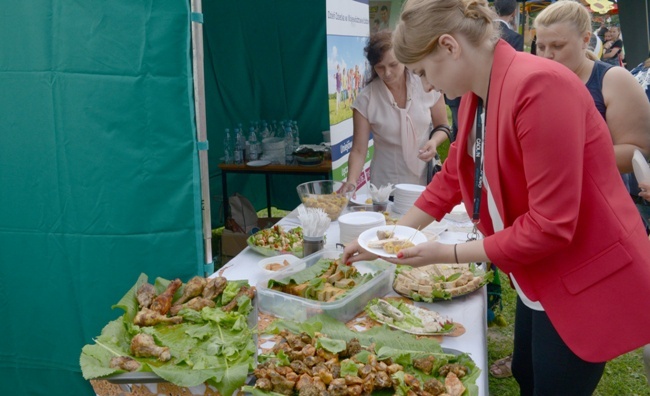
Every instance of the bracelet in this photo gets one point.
(456, 253)
(445, 128)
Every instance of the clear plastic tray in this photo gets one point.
(287, 306)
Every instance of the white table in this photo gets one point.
(469, 310)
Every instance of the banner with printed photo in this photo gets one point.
(379, 12)
(347, 69)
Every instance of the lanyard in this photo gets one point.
(478, 169)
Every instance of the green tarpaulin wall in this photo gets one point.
(99, 174)
(264, 59)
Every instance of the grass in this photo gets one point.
(623, 376)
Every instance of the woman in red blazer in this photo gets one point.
(550, 202)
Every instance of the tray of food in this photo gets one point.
(322, 356)
(277, 240)
(437, 282)
(409, 318)
(320, 283)
(186, 334)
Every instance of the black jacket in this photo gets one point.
(513, 38)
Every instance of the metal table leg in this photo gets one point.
(268, 194)
(224, 190)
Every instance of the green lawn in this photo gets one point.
(623, 376)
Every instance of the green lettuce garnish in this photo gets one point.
(210, 346)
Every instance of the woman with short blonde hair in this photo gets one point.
(563, 33)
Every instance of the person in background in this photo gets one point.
(613, 47)
(642, 76)
(383, 14)
(399, 113)
(563, 35)
(344, 87)
(337, 78)
(506, 10)
(565, 231)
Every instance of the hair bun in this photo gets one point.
(476, 9)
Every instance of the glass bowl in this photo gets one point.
(329, 195)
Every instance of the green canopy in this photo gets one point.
(99, 174)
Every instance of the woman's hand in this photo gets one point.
(353, 252)
(428, 151)
(431, 252)
(645, 191)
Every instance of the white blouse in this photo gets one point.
(398, 133)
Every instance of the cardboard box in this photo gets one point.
(232, 243)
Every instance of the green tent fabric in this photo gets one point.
(98, 173)
(264, 59)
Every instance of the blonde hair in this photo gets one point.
(424, 21)
(565, 11)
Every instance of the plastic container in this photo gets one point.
(287, 306)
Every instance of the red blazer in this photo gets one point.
(572, 236)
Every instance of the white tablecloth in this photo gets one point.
(470, 310)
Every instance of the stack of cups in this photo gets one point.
(351, 225)
(273, 149)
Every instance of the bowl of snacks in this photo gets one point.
(278, 263)
(329, 195)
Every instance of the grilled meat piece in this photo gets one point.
(163, 302)
(425, 363)
(192, 288)
(196, 304)
(214, 287)
(145, 295)
(148, 317)
(455, 368)
(125, 363)
(264, 384)
(143, 345)
(434, 387)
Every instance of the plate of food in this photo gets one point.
(277, 240)
(388, 240)
(409, 318)
(437, 282)
(362, 199)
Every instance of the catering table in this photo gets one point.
(469, 310)
(323, 169)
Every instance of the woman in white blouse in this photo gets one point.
(396, 109)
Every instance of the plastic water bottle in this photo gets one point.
(253, 146)
(296, 135)
(265, 130)
(227, 147)
(274, 128)
(288, 144)
(239, 146)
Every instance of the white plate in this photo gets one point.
(360, 199)
(290, 258)
(258, 163)
(361, 219)
(641, 168)
(403, 232)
